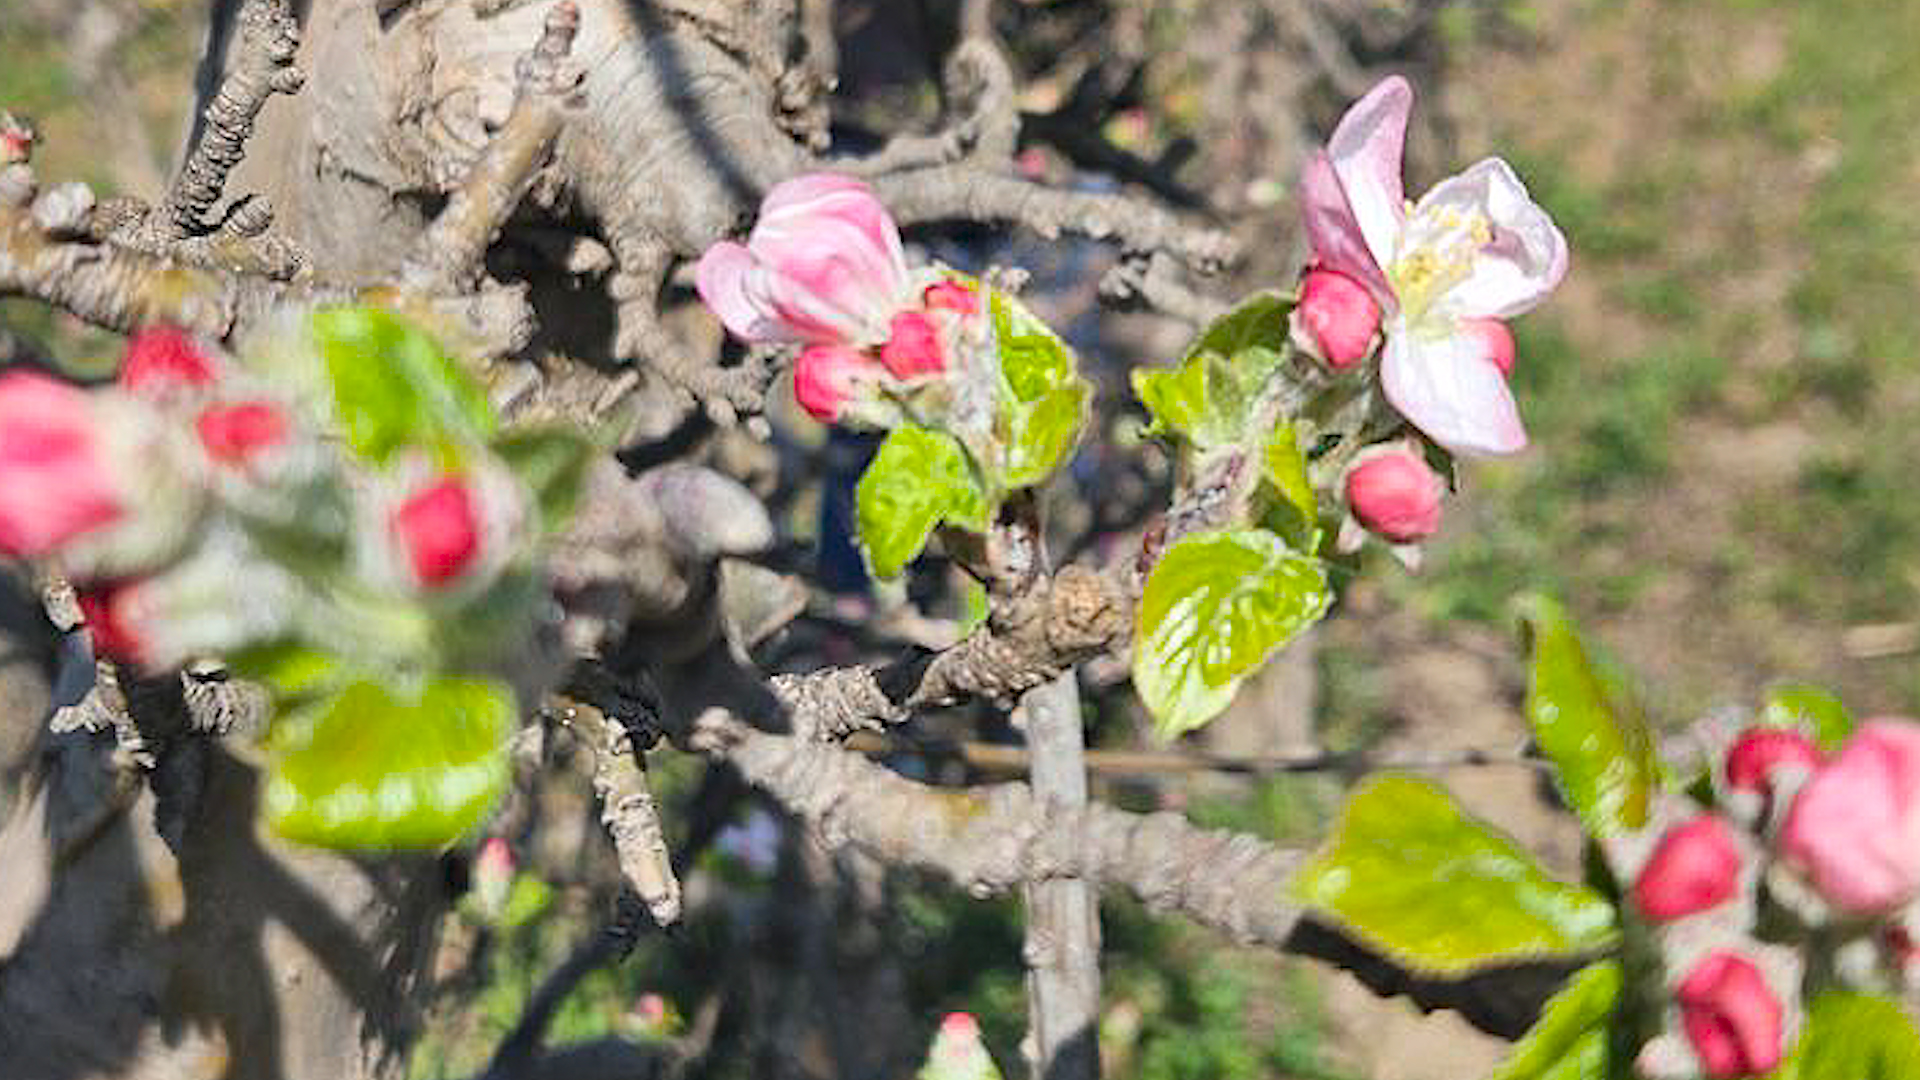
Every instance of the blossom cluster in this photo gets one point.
(1835, 839)
(823, 268)
(196, 508)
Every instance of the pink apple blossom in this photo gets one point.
(111, 622)
(1759, 750)
(1854, 828)
(1336, 319)
(439, 529)
(828, 378)
(1394, 493)
(233, 434)
(823, 266)
(1695, 866)
(56, 476)
(1473, 247)
(162, 358)
(1731, 1016)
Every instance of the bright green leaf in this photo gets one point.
(288, 670)
(1814, 709)
(1215, 607)
(1032, 357)
(1409, 874)
(1294, 512)
(1854, 1037)
(367, 767)
(1569, 1041)
(918, 479)
(1588, 725)
(1209, 396)
(528, 900)
(393, 385)
(552, 462)
(1041, 434)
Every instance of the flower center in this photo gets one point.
(1436, 252)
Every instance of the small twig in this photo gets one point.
(267, 41)
(449, 253)
(1062, 948)
(1003, 758)
(627, 808)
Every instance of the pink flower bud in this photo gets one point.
(1336, 318)
(1731, 1016)
(1394, 493)
(823, 266)
(110, 624)
(1494, 341)
(233, 434)
(951, 296)
(1695, 866)
(913, 349)
(439, 530)
(1759, 750)
(1854, 828)
(162, 358)
(828, 377)
(55, 480)
(493, 876)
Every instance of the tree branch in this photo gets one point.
(1062, 948)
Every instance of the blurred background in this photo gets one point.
(1724, 485)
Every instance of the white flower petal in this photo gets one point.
(1526, 257)
(1333, 231)
(1365, 151)
(1448, 388)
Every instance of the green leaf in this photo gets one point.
(1044, 401)
(1294, 513)
(1215, 607)
(1854, 1037)
(366, 767)
(393, 385)
(1569, 1041)
(552, 462)
(289, 670)
(1588, 724)
(1408, 873)
(1814, 709)
(918, 479)
(1209, 396)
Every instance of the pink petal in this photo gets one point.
(1365, 151)
(1527, 257)
(1449, 389)
(827, 377)
(1333, 231)
(826, 281)
(1854, 828)
(721, 279)
(818, 195)
(54, 474)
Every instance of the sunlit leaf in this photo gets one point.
(1814, 709)
(1408, 873)
(1208, 397)
(552, 462)
(393, 385)
(917, 480)
(369, 766)
(1044, 404)
(1588, 724)
(1215, 607)
(1854, 1037)
(1569, 1041)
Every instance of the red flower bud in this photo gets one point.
(1731, 1016)
(1760, 750)
(55, 480)
(161, 358)
(439, 529)
(1336, 318)
(951, 296)
(108, 623)
(914, 347)
(1695, 866)
(1394, 493)
(232, 434)
(827, 377)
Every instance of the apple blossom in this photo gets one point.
(1335, 320)
(828, 378)
(110, 626)
(1854, 827)
(233, 434)
(1695, 866)
(1473, 247)
(162, 358)
(493, 876)
(439, 530)
(1759, 750)
(56, 477)
(823, 266)
(1394, 493)
(1731, 1016)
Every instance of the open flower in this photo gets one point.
(1475, 247)
(823, 266)
(1854, 828)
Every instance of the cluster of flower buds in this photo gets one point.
(824, 269)
(1833, 844)
(169, 500)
